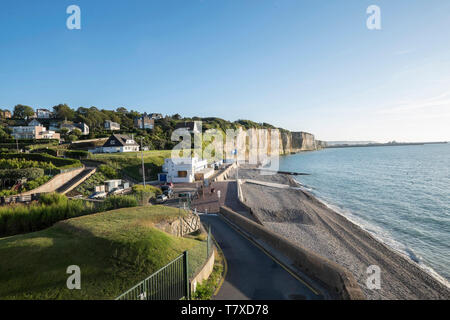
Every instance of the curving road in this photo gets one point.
(252, 275)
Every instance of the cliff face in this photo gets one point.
(288, 142)
(293, 142)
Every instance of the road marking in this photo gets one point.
(270, 256)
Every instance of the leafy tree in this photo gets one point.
(63, 111)
(23, 112)
(72, 138)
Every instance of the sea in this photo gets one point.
(399, 194)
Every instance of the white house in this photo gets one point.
(110, 125)
(43, 114)
(185, 170)
(120, 143)
(191, 126)
(83, 127)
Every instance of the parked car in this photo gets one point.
(161, 198)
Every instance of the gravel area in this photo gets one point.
(300, 217)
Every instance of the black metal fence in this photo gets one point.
(169, 283)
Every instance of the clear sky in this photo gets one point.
(301, 65)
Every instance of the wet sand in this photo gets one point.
(300, 217)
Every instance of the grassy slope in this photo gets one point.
(114, 250)
(130, 162)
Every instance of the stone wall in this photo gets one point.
(204, 273)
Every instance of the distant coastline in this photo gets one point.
(389, 144)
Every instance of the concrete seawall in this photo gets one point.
(336, 279)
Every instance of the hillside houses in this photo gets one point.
(34, 130)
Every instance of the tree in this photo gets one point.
(63, 111)
(72, 138)
(23, 112)
(77, 132)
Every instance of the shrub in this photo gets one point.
(60, 163)
(28, 218)
(76, 154)
(108, 172)
(23, 163)
(30, 185)
(117, 202)
(144, 194)
(13, 175)
(52, 198)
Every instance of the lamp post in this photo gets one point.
(143, 167)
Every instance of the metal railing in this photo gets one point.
(171, 282)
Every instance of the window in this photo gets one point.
(182, 174)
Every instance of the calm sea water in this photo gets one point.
(399, 194)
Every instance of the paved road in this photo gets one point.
(252, 275)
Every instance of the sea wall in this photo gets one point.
(338, 281)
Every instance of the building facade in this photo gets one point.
(144, 122)
(120, 143)
(34, 130)
(191, 126)
(43, 114)
(112, 126)
(5, 114)
(186, 170)
(84, 128)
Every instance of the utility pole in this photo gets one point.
(143, 167)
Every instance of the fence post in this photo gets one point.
(208, 244)
(186, 274)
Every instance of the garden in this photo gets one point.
(22, 172)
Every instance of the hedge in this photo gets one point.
(16, 174)
(77, 154)
(51, 209)
(61, 163)
(29, 141)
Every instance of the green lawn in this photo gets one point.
(115, 250)
(130, 162)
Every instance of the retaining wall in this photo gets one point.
(76, 184)
(204, 273)
(225, 174)
(242, 201)
(56, 182)
(335, 278)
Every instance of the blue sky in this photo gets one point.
(301, 65)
